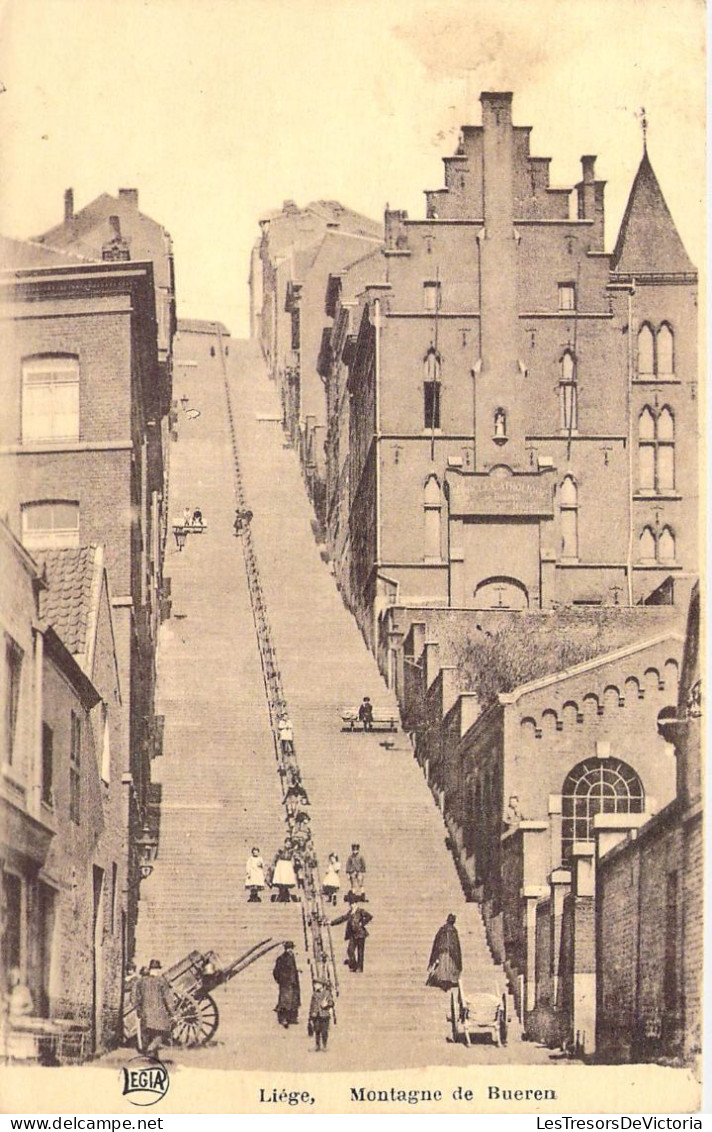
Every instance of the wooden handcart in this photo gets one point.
(478, 1014)
(193, 979)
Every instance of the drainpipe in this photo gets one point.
(377, 455)
(37, 744)
(629, 560)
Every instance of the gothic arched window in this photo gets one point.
(568, 393)
(656, 450)
(666, 351)
(431, 389)
(597, 786)
(646, 351)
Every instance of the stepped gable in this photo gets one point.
(67, 602)
(648, 241)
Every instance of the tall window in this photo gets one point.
(46, 791)
(50, 399)
(13, 675)
(567, 296)
(105, 767)
(568, 508)
(432, 505)
(597, 786)
(666, 359)
(568, 393)
(431, 389)
(647, 546)
(656, 352)
(75, 756)
(431, 296)
(656, 450)
(646, 351)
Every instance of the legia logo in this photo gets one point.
(145, 1081)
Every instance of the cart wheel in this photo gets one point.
(195, 1021)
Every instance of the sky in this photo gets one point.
(218, 110)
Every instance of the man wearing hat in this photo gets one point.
(286, 976)
(155, 1003)
(356, 870)
(320, 1010)
(365, 714)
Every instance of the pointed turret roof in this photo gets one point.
(648, 241)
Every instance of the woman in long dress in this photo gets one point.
(255, 875)
(284, 879)
(332, 882)
(445, 964)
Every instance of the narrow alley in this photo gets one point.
(220, 787)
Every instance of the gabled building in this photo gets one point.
(298, 251)
(82, 460)
(63, 799)
(510, 374)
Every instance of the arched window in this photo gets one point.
(568, 393)
(50, 524)
(666, 451)
(432, 503)
(656, 450)
(666, 546)
(597, 786)
(666, 352)
(646, 351)
(568, 509)
(431, 389)
(50, 398)
(647, 545)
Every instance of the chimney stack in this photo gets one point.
(115, 225)
(130, 196)
(68, 205)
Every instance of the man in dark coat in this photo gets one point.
(155, 1003)
(356, 934)
(356, 870)
(320, 1008)
(365, 714)
(445, 964)
(286, 975)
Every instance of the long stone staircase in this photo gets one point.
(221, 790)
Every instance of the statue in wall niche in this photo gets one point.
(500, 423)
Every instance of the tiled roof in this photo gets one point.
(648, 240)
(201, 326)
(66, 604)
(26, 253)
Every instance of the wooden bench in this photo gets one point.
(381, 722)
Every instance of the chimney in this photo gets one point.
(116, 247)
(68, 205)
(129, 196)
(115, 225)
(586, 190)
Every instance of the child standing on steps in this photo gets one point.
(255, 875)
(332, 881)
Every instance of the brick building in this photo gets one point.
(82, 458)
(649, 896)
(62, 795)
(298, 251)
(508, 374)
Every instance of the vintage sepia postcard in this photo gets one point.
(350, 460)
